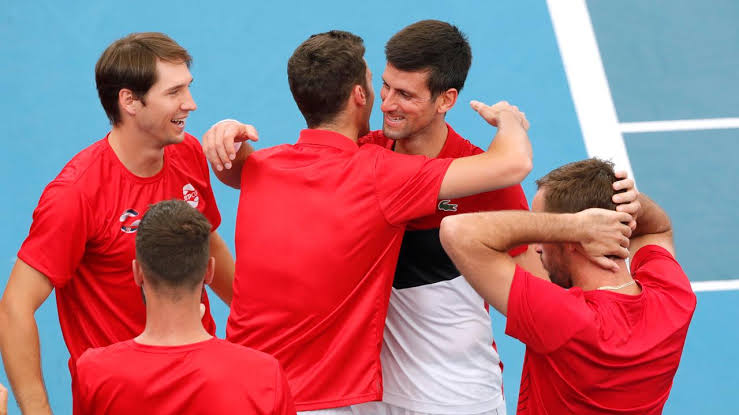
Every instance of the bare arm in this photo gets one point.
(27, 289)
(226, 147)
(478, 243)
(653, 227)
(223, 278)
(506, 162)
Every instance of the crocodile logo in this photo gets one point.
(447, 206)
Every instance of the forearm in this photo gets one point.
(19, 343)
(222, 283)
(232, 176)
(651, 219)
(503, 230)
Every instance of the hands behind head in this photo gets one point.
(223, 140)
(605, 235)
(493, 114)
(627, 200)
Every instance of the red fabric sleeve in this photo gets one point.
(543, 315)
(61, 227)
(407, 186)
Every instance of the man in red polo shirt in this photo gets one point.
(320, 223)
(81, 241)
(175, 366)
(598, 338)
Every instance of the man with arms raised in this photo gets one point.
(438, 353)
(175, 366)
(81, 242)
(320, 223)
(598, 338)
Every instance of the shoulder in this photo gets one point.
(457, 146)
(83, 164)
(376, 137)
(102, 356)
(654, 265)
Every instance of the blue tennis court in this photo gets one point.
(652, 85)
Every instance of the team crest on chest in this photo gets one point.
(190, 195)
(447, 206)
(129, 221)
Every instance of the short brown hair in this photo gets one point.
(434, 46)
(322, 72)
(578, 186)
(172, 245)
(130, 63)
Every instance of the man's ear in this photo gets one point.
(210, 270)
(359, 95)
(138, 274)
(127, 101)
(446, 100)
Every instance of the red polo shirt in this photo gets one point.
(601, 352)
(318, 231)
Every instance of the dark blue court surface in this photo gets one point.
(663, 60)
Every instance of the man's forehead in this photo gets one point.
(421, 76)
(171, 74)
(537, 203)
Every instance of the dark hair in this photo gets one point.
(130, 63)
(578, 186)
(172, 245)
(434, 46)
(322, 72)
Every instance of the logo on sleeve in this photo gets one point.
(190, 195)
(447, 206)
(129, 221)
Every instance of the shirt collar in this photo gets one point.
(327, 138)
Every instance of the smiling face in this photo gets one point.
(162, 111)
(407, 104)
(553, 256)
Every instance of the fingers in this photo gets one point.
(222, 141)
(3, 400)
(492, 114)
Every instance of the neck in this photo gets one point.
(343, 124)
(589, 276)
(427, 142)
(170, 323)
(137, 154)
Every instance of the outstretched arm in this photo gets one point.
(27, 289)
(506, 162)
(478, 243)
(226, 147)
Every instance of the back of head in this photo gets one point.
(130, 63)
(578, 186)
(172, 245)
(322, 72)
(434, 46)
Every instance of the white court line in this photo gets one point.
(588, 84)
(720, 285)
(679, 125)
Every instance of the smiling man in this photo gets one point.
(438, 354)
(81, 241)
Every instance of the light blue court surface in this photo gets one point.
(663, 61)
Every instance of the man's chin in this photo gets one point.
(392, 134)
